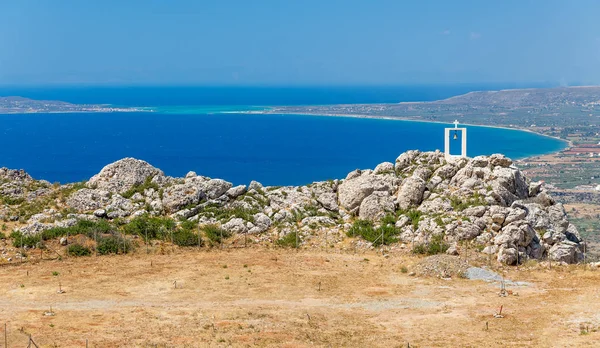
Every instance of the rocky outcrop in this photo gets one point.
(123, 175)
(483, 200)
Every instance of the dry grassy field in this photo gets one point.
(287, 298)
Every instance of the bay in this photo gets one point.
(238, 147)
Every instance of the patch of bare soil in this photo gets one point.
(283, 298)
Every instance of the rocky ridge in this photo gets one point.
(484, 200)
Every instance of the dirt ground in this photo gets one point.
(287, 298)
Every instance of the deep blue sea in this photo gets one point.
(273, 149)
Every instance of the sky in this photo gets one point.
(298, 42)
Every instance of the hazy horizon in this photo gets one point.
(293, 43)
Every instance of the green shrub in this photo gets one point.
(152, 226)
(415, 217)
(84, 227)
(78, 250)
(113, 245)
(366, 230)
(223, 214)
(184, 237)
(436, 245)
(290, 240)
(215, 234)
(19, 239)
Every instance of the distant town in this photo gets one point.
(20, 105)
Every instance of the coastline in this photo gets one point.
(568, 143)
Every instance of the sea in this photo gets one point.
(208, 130)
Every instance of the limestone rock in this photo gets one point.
(236, 225)
(215, 188)
(236, 191)
(261, 223)
(329, 201)
(500, 160)
(352, 192)
(411, 192)
(376, 205)
(383, 168)
(124, 174)
(566, 251)
(255, 185)
(178, 196)
(88, 199)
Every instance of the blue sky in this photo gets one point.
(298, 42)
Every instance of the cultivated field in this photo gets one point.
(265, 297)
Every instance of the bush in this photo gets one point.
(184, 237)
(436, 245)
(365, 229)
(19, 239)
(415, 217)
(223, 214)
(84, 227)
(78, 250)
(113, 245)
(290, 240)
(153, 227)
(215, 234)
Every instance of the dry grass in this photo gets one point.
(285, 298)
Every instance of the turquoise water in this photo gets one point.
(273, 149)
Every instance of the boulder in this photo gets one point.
(236, 191)
(565, 251)
(123, 175)
(508, 256)
(255, 185)
(236, 225)
(411, 192)
(329, 201)
(215, 188)
(180, 195)
(376, 205)
(88, 199)
(352, 192)
(384, 168)
(261, 223)
(500, 160)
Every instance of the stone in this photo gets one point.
(88, 199)
(352, 192)
(452, 250)
(255, 185)
(384, 168)
(318, 221)
(236, 191)
(215, 188)
(191, 174)
(63, 241)
(477, 211)
(178, 196)
(376, 205)
(500, 160)
(100, 213)
(329, 201)
(411, 192)
(507, 256)
(236, 225)
(565, 251)
(515, 215)
(123, 175)
(261, 223)
(534, 188)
